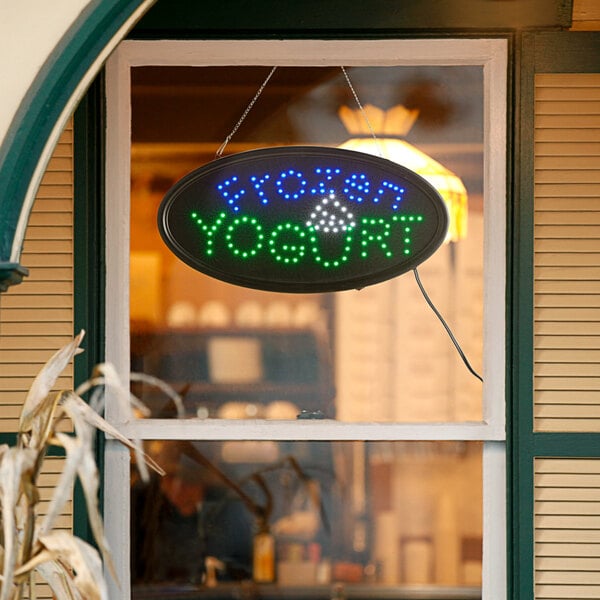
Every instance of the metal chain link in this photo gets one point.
(245, 113)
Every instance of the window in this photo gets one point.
(350, 410)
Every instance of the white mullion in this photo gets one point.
(491, 55)
(117, 510)
(118, 171)
(493, 569)
(494, 260)
(224, 429)
(308, 53)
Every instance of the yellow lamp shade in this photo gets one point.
(396, 122)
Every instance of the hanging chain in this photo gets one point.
(245, 114)
(363, 112)
(259, 92)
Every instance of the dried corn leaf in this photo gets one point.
(123, 395)
(76, 448)
(41, 421)
(45, 380)
(163, 387)
(16, 462)
(96, 421)
(80, 447)
(82, 558)
(59, 579)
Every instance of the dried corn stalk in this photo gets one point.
(29, 544)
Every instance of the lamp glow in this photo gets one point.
(389, 127)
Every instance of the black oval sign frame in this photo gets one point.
(303, 219)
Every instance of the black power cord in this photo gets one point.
(446, 327)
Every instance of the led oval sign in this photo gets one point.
(303, 219)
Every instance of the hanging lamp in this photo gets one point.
(389, 128)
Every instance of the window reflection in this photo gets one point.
(377, 354)
(380, 513)
(297, 514)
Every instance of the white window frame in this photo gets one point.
(491, 54)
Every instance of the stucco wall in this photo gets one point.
(29, 31)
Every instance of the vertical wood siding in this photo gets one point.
(36, 317)
(567, 528)
(567, 253)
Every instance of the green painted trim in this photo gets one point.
(567, 52)
(10, 439)
(511, 334)
(259, 18)
(544, 52)
(521, 451)
(89, 252)
(11, 274)
(566, 445)
(44, 102)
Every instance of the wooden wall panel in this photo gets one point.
(36, 317)
(567, 528)
(586, 15)
(567, 253)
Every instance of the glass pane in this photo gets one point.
(297, 519)
(378, 354)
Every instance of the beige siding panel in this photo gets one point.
(567, 314)
(567, 356)
(42, 342)
(570, 245)
(568, 259)
(567, 80)
(582, 121)
(567, 252)
(21, 384)
(54, 192)
(586, 15)
(569, 287)
(33, 330)
(568, 494)
(30, 301)
(582, 369)
(52, 178)
(564, 535)
(36, 317)
(567, 341)
(567, 528)
(561, 176)
(580, 136)
(34, 247)
(568, 522)
(564, 397)
(49, 477)
(42, 219)
(567, 217)
(554, 190)
(567, 93)
(590, 233)
(556, 592)
(570, 425)
(568, 148)
(568, 300)
(552, 106)
(570, 564)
